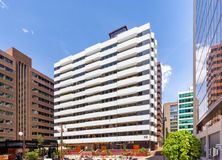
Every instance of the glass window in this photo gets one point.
(185, 95)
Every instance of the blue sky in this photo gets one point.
(48, 30)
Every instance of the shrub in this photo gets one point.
(182, 145)
(142, 150)
(32, 155)
(126, 153)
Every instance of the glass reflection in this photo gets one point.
(208, 54)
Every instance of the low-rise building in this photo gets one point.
(170, 112)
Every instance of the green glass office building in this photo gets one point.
(185, 110)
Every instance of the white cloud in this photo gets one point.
(3, 5)
(201, 53)
(166, 73)
(32, 32)
(25, 30)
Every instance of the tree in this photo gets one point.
(40, 139)
(167, 132)
(32, 155)
(182, 145)
(56, 153)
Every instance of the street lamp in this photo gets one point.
(21, 134)
(61, 130)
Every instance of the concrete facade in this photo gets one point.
(170, 111)
(106, 95)
(159, 106)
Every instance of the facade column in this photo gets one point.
(207, 143)
(220, 137)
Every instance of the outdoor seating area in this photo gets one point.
(107, 154)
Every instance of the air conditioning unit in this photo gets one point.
(214, 152)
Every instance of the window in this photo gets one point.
(109, 47)
(173, 108)
(186, 110)
(186, 121)
(186, 126)
(186, 116)
(186, 105)
(143, 53)
(109, 56)
(185, 100)
(185, 95)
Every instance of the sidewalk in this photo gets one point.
(155, 158)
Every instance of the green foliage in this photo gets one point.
(71, 147)
(182, 145)
(57, 153)
(167, 132)
(142, 150)
(66, 145)
(32, 155)
(40, 139)
(124, 146)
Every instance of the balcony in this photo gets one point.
(93, 57)
(127, 35)
(109, 60)
(93, 49)
(93, 82)
(127, 44)
(110, 77)
(64, 105)
(127, 82)
(92, 90)
(112, 139)
(127, 54)
(93, 66)
(66, 75)
(92, 99)
(127, 91)
(64, 98)
(127, 72)
(93, 74)
(64, 83)
(127, 63)
(109, 121)
(106, 130)
(67, 89)
(66, 68)
(65, 61)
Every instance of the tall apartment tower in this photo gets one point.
(207, 75)
(159, 105)
(7, 97)
(26, 98)
(185, 110)
(106, 95)
(170, 111)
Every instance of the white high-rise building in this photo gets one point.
(106, 95)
